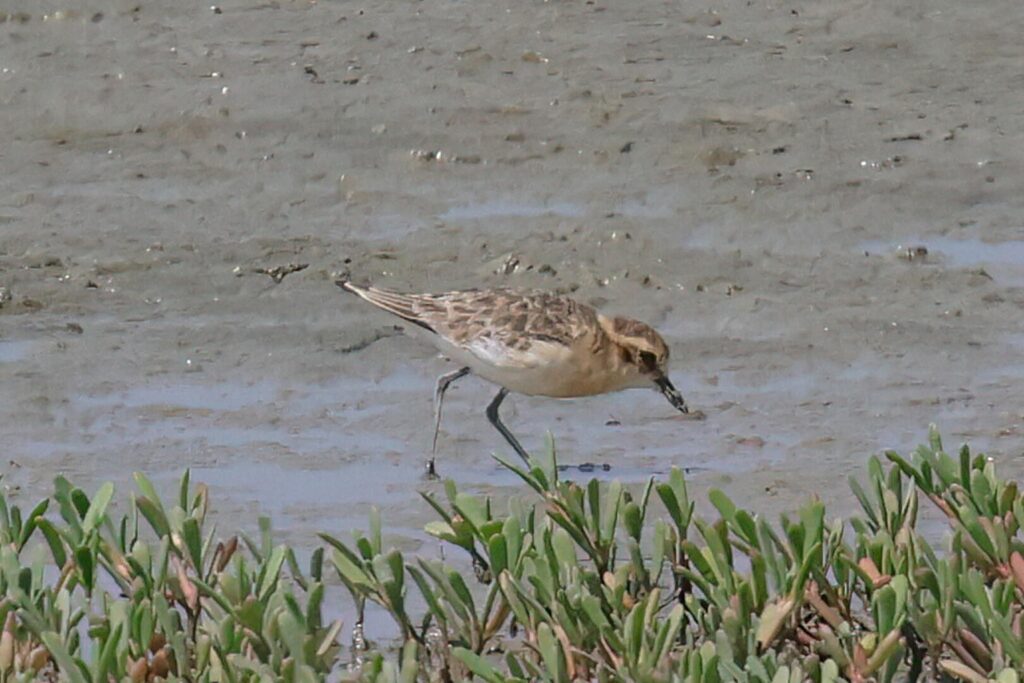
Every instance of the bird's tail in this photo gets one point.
(396, 303)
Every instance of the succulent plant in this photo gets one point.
(574, 581)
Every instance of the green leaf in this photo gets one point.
(429, 596)
(471, 508)
(800, 581)
(884, 604)
(865, 503)
(271, 570)
(611, 511)
(632, 519)
(250, 614)
(376, 537)
(62, 493)
(262, 551)
(5, 518)
(478, 665)
(193, 543)
(633, 632)
(80, 501)
(965, 469)
(146, 487)
(591, 606)
(31, 522)
(183, 490)
(594, 504)
(54, 540)
(812, 517)
(497, 554)
(293, 634)
(550, 652)
(534, 478)
(726, 508)
(441, 530)
(105, 660)
(564, 548)
(84, 561)
(513, 533)
(919, 476)
(350, 571)
(459, 586)
(668, 499)
(668, 634)
(410, 662)
(154, 514)
(396, 565)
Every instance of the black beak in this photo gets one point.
(671, 393)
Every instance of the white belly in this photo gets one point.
(530, 381)
(545, 370)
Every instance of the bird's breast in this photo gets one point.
(567, 378)
(541, 369)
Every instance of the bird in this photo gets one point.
(529, 342)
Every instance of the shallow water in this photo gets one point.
(1003, 261)
(13, 351)
(510, 209)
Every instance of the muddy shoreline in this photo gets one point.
(746, 177)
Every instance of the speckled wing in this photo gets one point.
(513, 328)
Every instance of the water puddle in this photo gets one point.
(1004, 374)
(1006, 368)
(198, 396)
(1004, 261)
(1015, 341)
(654, 204)
(13, 351)
(796, 383)
(505, 208)
(150, 190)
(296, 486)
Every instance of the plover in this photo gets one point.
(530, 342)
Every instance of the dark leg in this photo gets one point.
(492, 415)
(442, 386)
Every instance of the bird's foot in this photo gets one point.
(430, 471)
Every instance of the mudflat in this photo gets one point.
(818, 204)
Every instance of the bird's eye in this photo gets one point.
(647, 361)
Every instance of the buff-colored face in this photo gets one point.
(645, 353)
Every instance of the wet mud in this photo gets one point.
(818, 205)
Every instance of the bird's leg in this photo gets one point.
(492, 415)
(442, 386)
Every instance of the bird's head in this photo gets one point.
(643, 356)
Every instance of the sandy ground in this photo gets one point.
(746, 176)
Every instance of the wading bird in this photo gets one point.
(530, 342)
